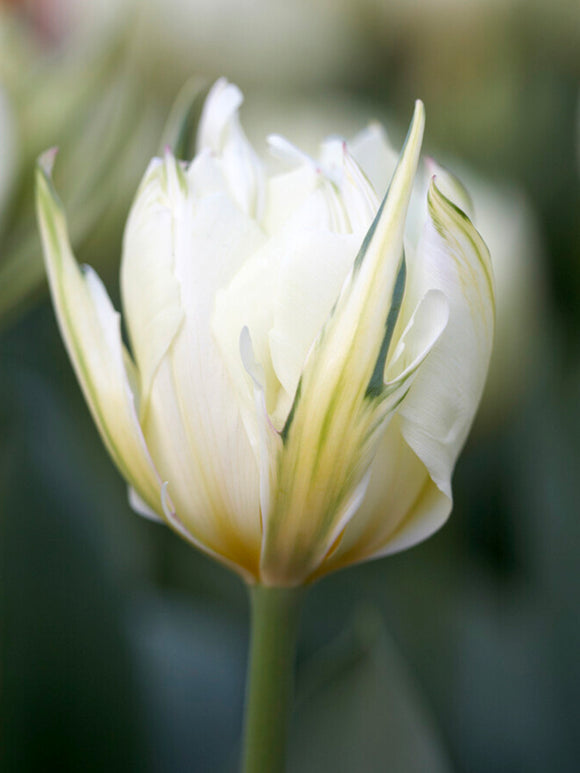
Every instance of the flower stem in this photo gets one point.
(274, 622)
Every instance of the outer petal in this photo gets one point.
(410, 490)
(399, 484)
(330, 435)
(90, 328)
(397, 480)
(439, 410)
(450, 186)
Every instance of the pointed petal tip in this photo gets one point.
(46, 193)
(435, 194)
(434, 188)
(418, 121)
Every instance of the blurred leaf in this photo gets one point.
(190, 661)
(68, 700)
(358, 710)
(96, 113)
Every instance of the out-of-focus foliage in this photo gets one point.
(123, 649)
(358, 709)
(85, 101)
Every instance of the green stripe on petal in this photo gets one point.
(91, 330)
(456, 228)
(451, 186)
(377, 382)
(439, 409)
(333, 428)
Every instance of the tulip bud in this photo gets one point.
(301, 380)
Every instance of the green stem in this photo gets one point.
(274, 623)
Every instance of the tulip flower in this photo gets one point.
(300, 380)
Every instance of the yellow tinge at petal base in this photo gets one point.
(301, 380)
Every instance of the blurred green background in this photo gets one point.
(122, 649)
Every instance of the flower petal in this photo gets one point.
(194, 415)
(220, 131)
(140, 507)
(330, 435)
(90, 328)
(397, 480)
(151, 293)
(267, 443)
(451, 187)
(442, 402)
(410, 490)
(283, 294)
(418, 338)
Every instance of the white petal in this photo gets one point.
(420, 335)
(267, 443)
(397, 480)
(205, 175)
(285, 194)
(90, 328)
(220, 131)
(331, 433)
(140, 507)
(284, 150)
(194, 418)
(151, 293)
(368, 295)
(409, 494)
(311, 273)
(179, 527)
(360, 200)
(399, 483)
(284, 294)
(437, 413)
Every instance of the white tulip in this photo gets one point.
(300, 385)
